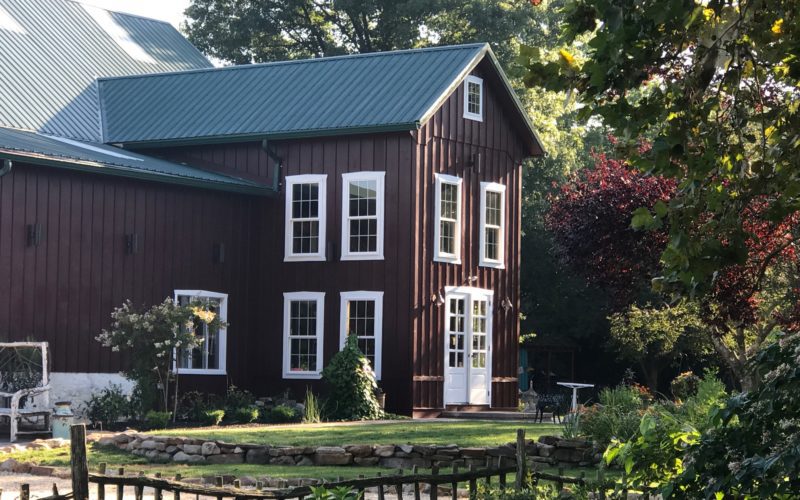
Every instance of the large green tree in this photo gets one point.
(714, 87)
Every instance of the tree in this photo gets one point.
(714, 86)
(589, 219)
(659, 337)
(245, 31)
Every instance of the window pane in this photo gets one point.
(447, 240)
(449, 198)
(493, 209)
(473, 97)
(303, 355)
(491, 244)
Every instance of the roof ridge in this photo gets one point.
(236, 67)
(89, 4)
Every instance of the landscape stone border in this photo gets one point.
(550, 450)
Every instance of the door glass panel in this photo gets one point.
(456, 333)
(479, 333)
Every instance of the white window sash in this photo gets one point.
(484, 261)
(379, 178)
(438, 255)
(377, 297)
(288, 298)
(222, 334)
(321, 181)
(467, 114)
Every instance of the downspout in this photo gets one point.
(6, 168)
(278, 161)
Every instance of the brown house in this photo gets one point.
(376, 195)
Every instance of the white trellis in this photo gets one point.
(25, 386)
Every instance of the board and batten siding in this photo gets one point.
(445, 145)
(333, 156)
(63, 290)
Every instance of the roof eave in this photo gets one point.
(131, 173)
(299, 134)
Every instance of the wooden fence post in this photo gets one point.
(78, 462)
(24, 491)
(522, 461)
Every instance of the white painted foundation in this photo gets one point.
(79, 387)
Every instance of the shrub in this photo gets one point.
(684, 385)
(312, 410)
(194, 405)
(617, 415)
(283, 414)
(108, 406)
(352, 384)
(157, 419)
(211, 417)
(245, 414)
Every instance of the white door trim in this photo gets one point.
(470, 294)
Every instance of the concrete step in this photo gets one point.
(494, 415)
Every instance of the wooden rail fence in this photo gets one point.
(390, 485)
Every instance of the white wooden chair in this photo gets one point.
(25, 386)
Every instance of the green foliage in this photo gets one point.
(752, 448)
(339, 493)
(108, 406)
(193, 406)
(538, 492)
(352, 384)
(655, 454)
(616, 416)
(659, 337)
(157, 419)
(238, 398)
(312, 409)
(684, 385)
(712, 88)
(282, 414)
(211, 417)
(153, 336)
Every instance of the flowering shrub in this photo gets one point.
(617, 414)
(684, 385)
(352, 384)
(152, 337)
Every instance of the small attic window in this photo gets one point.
(473, 98)
(119, 34)
(7, 22)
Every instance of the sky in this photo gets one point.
(165, 10)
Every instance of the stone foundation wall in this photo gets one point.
(548, 450)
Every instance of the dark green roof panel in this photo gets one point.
(35, 148)
(378, 91)
(53, 50)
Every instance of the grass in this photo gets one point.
(116, 458)
(462, 433)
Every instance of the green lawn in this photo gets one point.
(462, 433)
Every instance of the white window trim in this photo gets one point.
(291, 180)
(438, 255)
(288, 297)
(483, 260)
(223, 334)
(380, 179)
(473, 116)
(363, 295)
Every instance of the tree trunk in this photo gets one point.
(650, 370)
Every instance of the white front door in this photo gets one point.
(468, 334)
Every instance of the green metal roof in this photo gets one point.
(53, 50)
(39, 149)
(383, 91)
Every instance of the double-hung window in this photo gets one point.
(447, 223)
(305, 218)
(362, 316)
(473, 98)
(208, 358)
(492, 230)
(362, 215)
(303, 318)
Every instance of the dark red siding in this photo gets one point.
(445, 145)
(63, 290)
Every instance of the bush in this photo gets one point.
(684, 385)
(194, 405)
(617, 415)
(245, 414)
(352, 384)
(211, 417)
(157, 419)
(282, 414)
(312, 410)
(108, 406)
